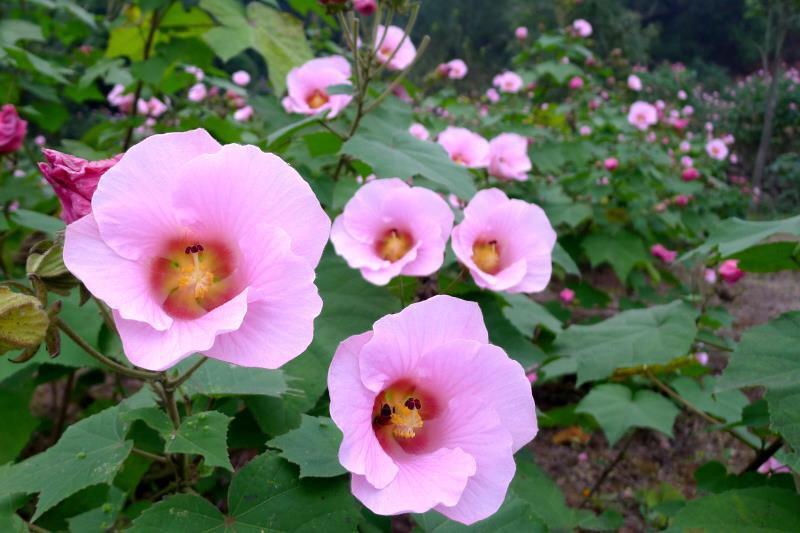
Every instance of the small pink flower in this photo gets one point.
(521, 33)
(717, 149)
(506, 244)
(39, 140)
(197, 72)
(456, 69)
(493, 95)
(685, 146)
(710, 275)
(431, 412)
(681, 200)
(74, 181)
(508, 157)
(690, 174)
(682, 95)
(634, 83)
(508, 82)
(702, 358)
(365, 7)
(576, 83)
(198, 92)
(567, 295)
(730, 272)
(308, 87)
(611, 164)
(642, 115)
(241, 78)
(687, 110)
(203, 248)
(773, 466)
(465, 147)
(152, 107)
(389, 228)
(659, 251)
(582, 27)
(419, 131)
(243, 114)
(395, 39)
(603, 180)
(119, 99)
(585, 130)
(533, 377)
(583, 457)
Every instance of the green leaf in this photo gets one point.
(30, 61)
(393, 152)
(622, 251)
(655, 335)
(181, 512)
(203, 434)
(514, 515)
(565, 261)
(617, 409)
(13, 30)
(15, 399)
(526, 315)
(102, 518)
(314, 447)
(734, 235)
(727, 405)
(89, 453)
(235, 33)
(784, 414)
(217, 378)
(758, 509)
(37, 221)
(280, 39)
(770, 257)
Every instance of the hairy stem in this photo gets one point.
(607, 470)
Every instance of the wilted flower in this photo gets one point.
(642, 115)
(659, 251)
(730, 272)
(634, 83)
(419, 131)
(465, 147)
(582, 27)
(508, 82)
(241, 78)
(308, 85)
(508, 157)
(390, 39)
(717, 149)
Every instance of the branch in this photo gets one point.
(609, 468)
(764, 455)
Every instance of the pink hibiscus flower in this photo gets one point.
(634, 83)
(730, 272)
(611, 164)
(508, 157)
(390, 39)
(456, 69)
(308, 87)
(717, 149)
(521, 33)
(508, 82)
(659, 251)
(419, 131)
(642, 115)
(198, 247)
(465, 147)
(506, 244)
(582, 27)
(389, 228)
(431, 412)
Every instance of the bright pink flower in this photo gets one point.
(308, 87)
(12, 129)
(521, 33)
(690, 174)
(365, 7)
(389, 228)
(465, 147)
(634, 83)
(243, 114)
(576, 83)
(456, 69)
(582, 27)
(773, 466)
(611, 164)
(680, 124)
(198, 247)
(508, 157)
(74, 181)
(717, 149)
(152, 107)
(506, 244)
(730, 272)
(567, 296)
(533, 377)
(642, 115)
(241, 78)
(197, 92)
(659, 251)
(493, 95)
(431, 412)
(395, 39)
(419, 131)
(681, 200)
(508, 82)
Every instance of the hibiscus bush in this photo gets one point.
(260, 273)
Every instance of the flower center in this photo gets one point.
(458, 159)
(317, 99)
(394, 245)
(486, 256)
(400, 412)
(386, 50)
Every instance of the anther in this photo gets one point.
(194, 248)
(417, 404)
(386, 411)
(188, 250)
(199, 247)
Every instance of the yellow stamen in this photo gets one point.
(195, 275)
(405, 421)
(394, 246)
(486, 256)
(317, 99)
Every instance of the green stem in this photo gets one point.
(148, 455)
(180, 380)
(375, 103)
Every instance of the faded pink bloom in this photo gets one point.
(241, 78)
(405, 396)
(243, 114)
(365, 7)
(39, 140)
(74, 181)
(773, 466)
(659, 251)
(389, 228)
(682, 95)
(685, 146)
(395, 39)
(465, 147)
(567, 295)
(508, 82)
(402, 93)
(203, 248)
(576, 82)
(651, 137)
(730, 272)
(197, 92)
(308, 85)
(679, 124)
(456, 69)
(419, 131)
(585, 130)
(197, 72)
(582, 27)
(634, 83)
(710, 275)
(506, 244)
(508, 157)
(152, 107)
(642, 115)
(493, 95)
(687, 110)
(690, 174)
(611, 164)
(119, 99)
(603, 180)
(702, 358)
(521, 33)
(717, 149)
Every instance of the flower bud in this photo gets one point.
(12, 129)
(23, 323)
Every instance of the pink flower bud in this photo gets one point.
(611, 164)
(567, 295)
(12, 129)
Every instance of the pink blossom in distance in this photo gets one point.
(566, 295)
(456, 69)
(365, 7)
(241, 78)
(492, 95)
(308, 84)
(505, 243)
(582, 27)
(393, 39)
(419, 131)
(197, 92)
(611, 164)
(203, 248)
(508, 82)
(12, 129)
(465, 147)
(39, 140)
(243, 114)
(508, 157)
(730, 272)
(415, 438)
(659, 251)
(717, 149)
(389, 228)
(690, 174)
(710, 275)
(634, 83)
(702, 358)
(118, 98)
(521, 33)
(642, 115)
(576, 82)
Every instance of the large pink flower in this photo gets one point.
(508, 157)
(642, 115)
(390, 39)
(506, 244)
(198, 247)
(431, 412)
(508, 82)
(389, 228)
(582, 27)
(308, 87)
(74, 180)
(12, 129)
(465, 147)
(717, 149)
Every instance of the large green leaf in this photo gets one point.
(281, 41)
(181, 512)
(622, 251)
(217, 378)
(234, 34)
(314, 447)
(735, 235)
(13, 30)
(617, 409)
(770, 257)
(641, 336)
(15, 399)
(527, 315)
(514, 515)
(203, 434)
